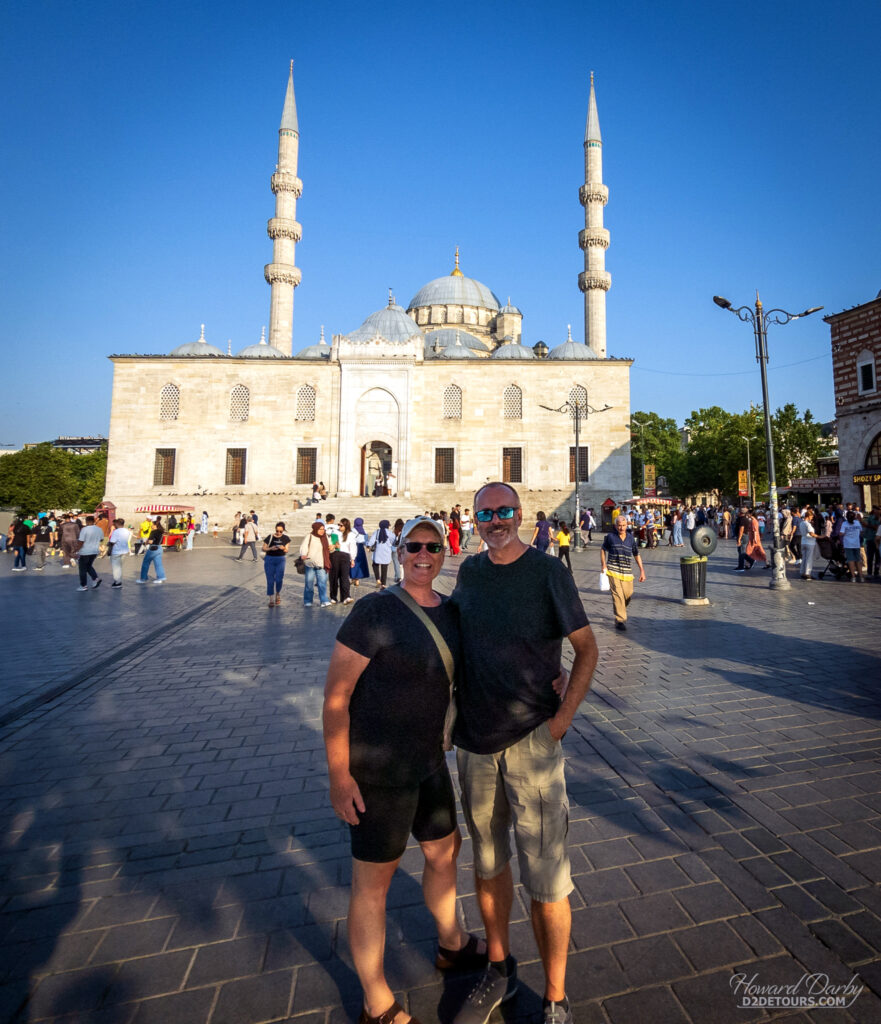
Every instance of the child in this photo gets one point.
(215, 531)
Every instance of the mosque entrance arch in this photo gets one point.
(376, 469)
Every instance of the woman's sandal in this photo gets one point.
(385, 1018)
(468, 958)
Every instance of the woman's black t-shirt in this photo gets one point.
(276, 544)
(397, 709)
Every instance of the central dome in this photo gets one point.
(455, 290)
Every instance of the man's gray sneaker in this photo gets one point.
(557, 1013)
(492, 989)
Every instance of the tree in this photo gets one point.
(38, 478)
(658, 443)
(91, 474)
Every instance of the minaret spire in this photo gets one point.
(594, 281)
(282, 275)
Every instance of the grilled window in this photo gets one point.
(236, 459)
(163, 467)
(306, 404)
(307, 465)
(512, 465)
(169, 402)
(453, 402)
(444, 465)
(583, 464)
(239, 403)
(512, 402)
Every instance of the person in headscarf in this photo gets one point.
(360, 570)
(380, 544)
(315, 551)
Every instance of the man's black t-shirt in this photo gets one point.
(397, 709)
(512, 619)
(20, 533)
(741, 521)
(43, 533)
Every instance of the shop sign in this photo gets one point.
(868, 476)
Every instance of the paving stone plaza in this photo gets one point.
(169, 853)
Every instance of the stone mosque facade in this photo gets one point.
(427, 402)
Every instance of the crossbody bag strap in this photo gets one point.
(442, 647)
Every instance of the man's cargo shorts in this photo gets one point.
(523, 786)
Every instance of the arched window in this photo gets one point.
(239, 403)
(866, 377)
(512, 403)
(452, 402)
(873, 455)
(169, 402)
(578, 397)
(306, 403)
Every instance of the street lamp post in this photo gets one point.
(749, 472)
(576, 409)
(760, 320)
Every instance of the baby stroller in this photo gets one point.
(831, 549)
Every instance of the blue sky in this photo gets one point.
(741, 151)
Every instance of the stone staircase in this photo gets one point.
(371, 510)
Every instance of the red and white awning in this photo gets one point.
(165, 508)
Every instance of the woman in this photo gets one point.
(454, 535)
(191, 532)
(677, 529)
(360, 571)
(396, 543)
(316, 493)
(380, 544)
(275, 547)
(808, 535)
(387, 679)
(541, 535)
(563, 543)
(754, 549)
(153, 554)
(204, 528)
(315, 551)
(349, 547)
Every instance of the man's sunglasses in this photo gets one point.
(434, 547)
(485, 515)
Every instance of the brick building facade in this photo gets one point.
(856, 359)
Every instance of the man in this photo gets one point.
(103, 523)
(466, 527)
(70, 532)
(249, 539)
(88, 546)
(851, 534)
(741, 533)
(515, 606)
(44, 537)
(615, 554)
(120, 542)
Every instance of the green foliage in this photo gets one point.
(44, 477)
(658, 443)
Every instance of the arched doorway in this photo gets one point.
(376, 465)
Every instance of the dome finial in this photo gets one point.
(456, 272)
(321, 340)
(391, 298)
(202, 335)
(263, 336)
(229, 346)
(568, 332)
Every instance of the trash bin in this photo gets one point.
(694, 579)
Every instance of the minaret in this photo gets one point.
(594, 239)
(281, 275)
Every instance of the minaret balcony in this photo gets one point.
(286, 181)
(591, 238)
(282, 273)
(283, 227)
(593, 279)
(593, 192)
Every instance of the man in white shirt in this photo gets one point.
(120, 545)
(851, 535)
(88, 546)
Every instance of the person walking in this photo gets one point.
(360, 570)
(249, 539)
(541, 535)
(808, 536)
(755, 552)
(340, 563)
(390, 677)
(380, 544)
(275, 548)
(315, 552)
(144, 531)
(851, 534)
(467, 525)
(43, 539)
(21, 534)
(564, 541)
(454, 534)
(88, 546)
(349, 547)
(119, 545)
(153, 554)
(396, 543)
(204, 526)
(515, 607)
(615, 555)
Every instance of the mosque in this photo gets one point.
(427, 402)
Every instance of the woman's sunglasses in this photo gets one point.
(433, 547)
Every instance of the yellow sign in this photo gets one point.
(742, 483)
(650, 484)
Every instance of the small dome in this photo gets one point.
(457, 350)
(446, 336)
(261, 350)
(199, 347)
(513, 350)
(572, 349)
(508, 308)
(319, 351)
(391, 323)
